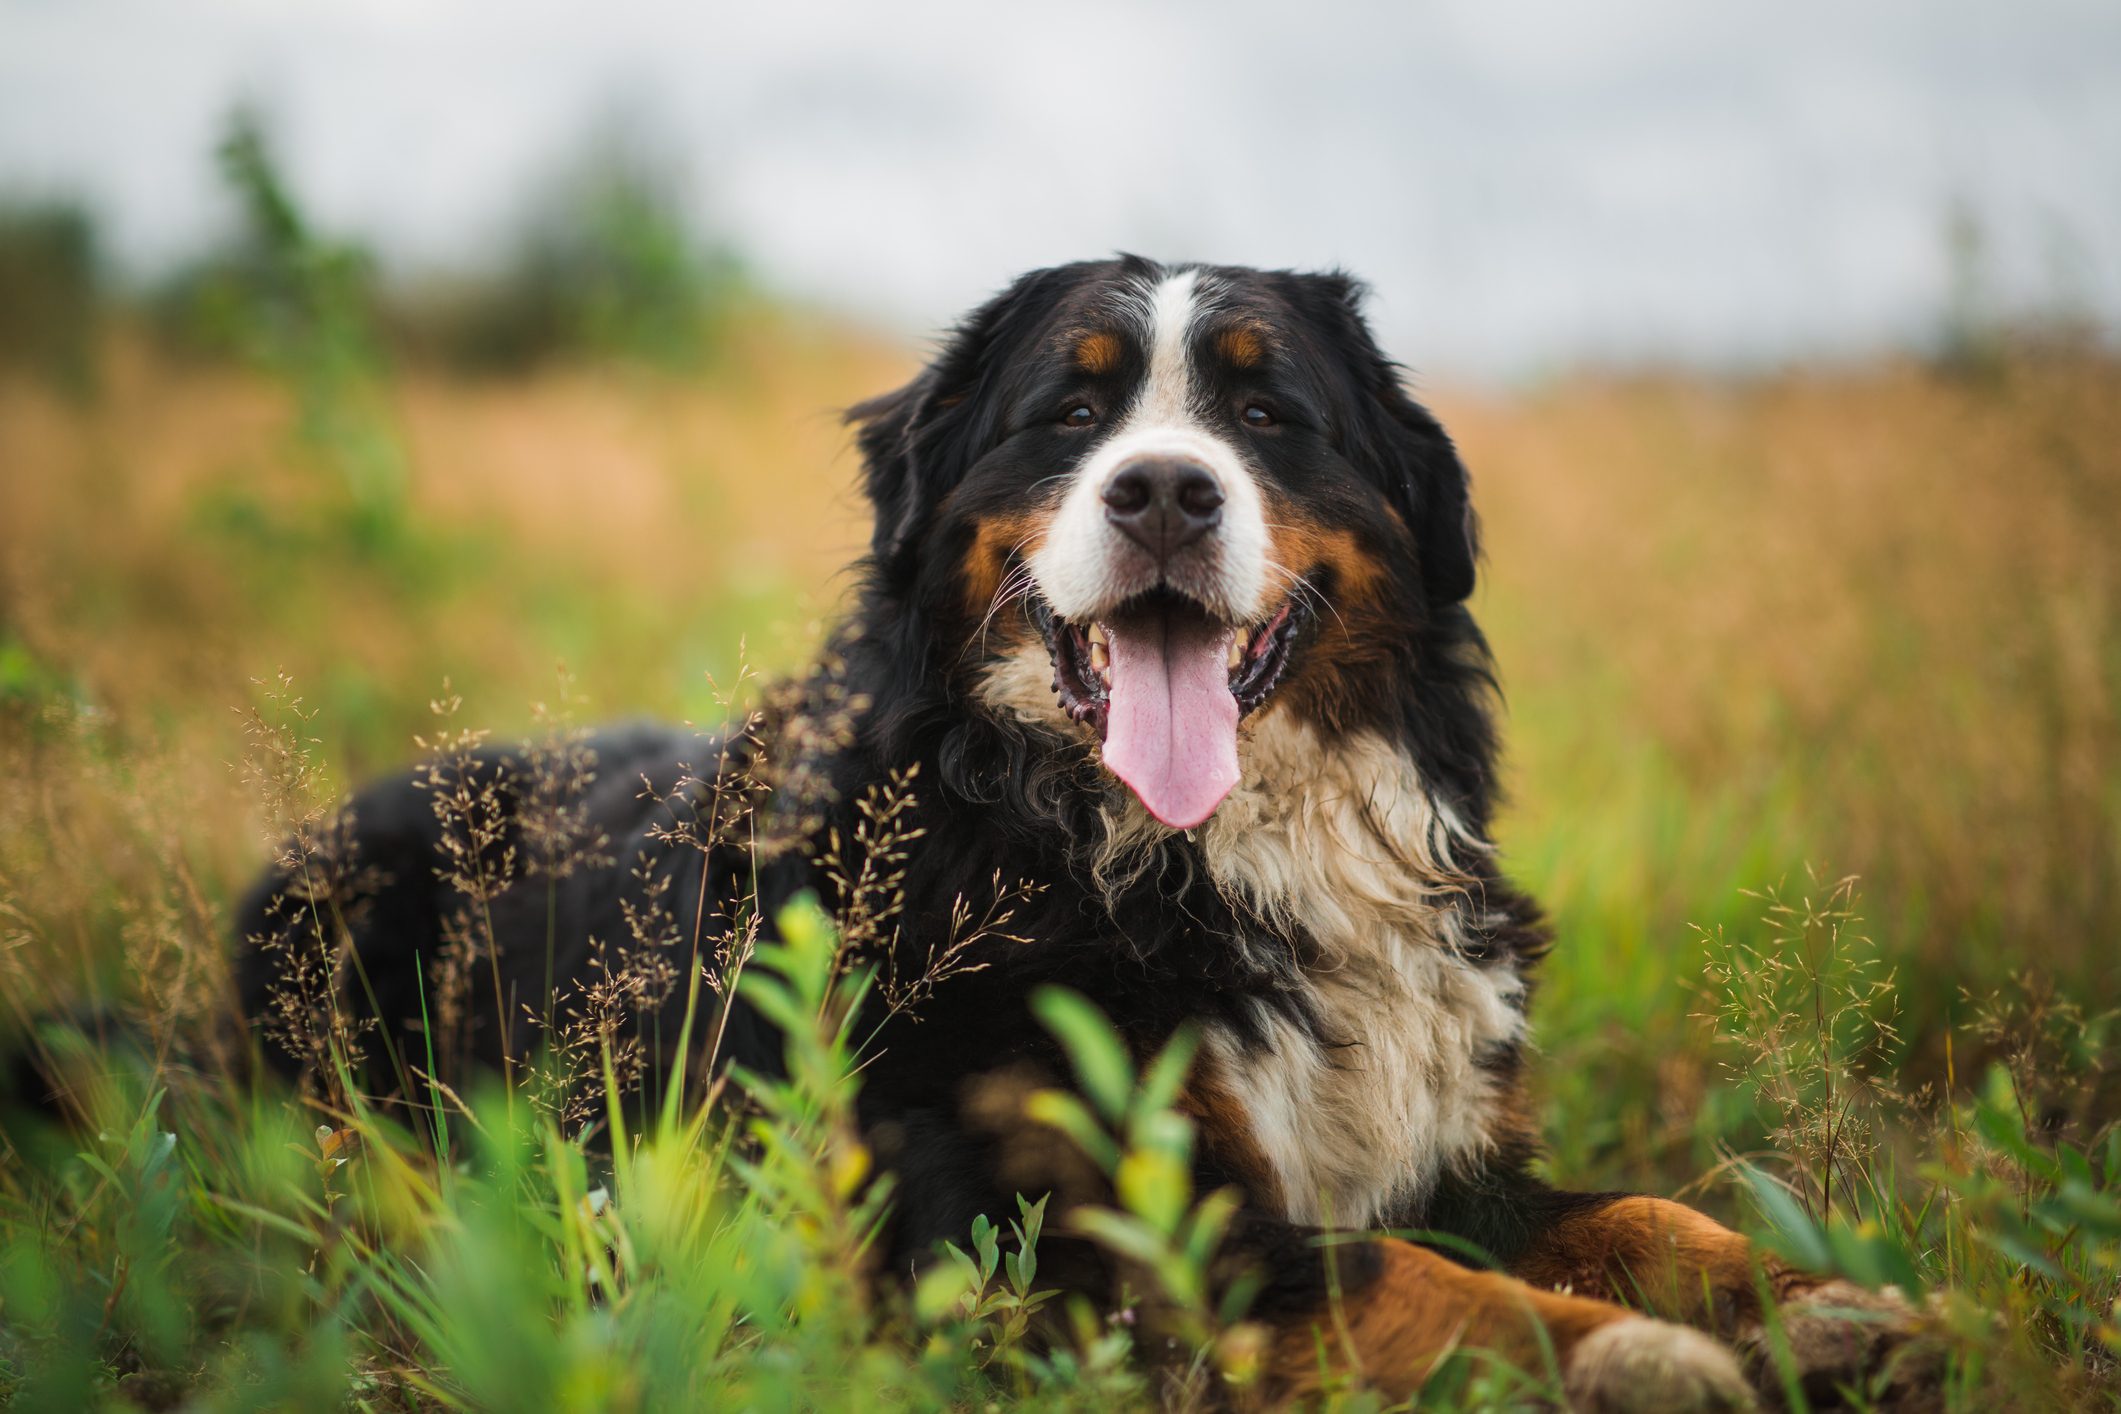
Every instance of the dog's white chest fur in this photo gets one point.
(1355, 1132)
(1345, 844)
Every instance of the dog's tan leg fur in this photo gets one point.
(1666, 1259)
(1391, 1335)
(1661, 1257)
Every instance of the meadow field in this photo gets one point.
(1814, 724)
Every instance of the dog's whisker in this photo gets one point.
(1015, 586)
(1308, 592)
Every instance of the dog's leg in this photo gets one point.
(1396, 1310)
(1655, 1255)
(1666, 1259)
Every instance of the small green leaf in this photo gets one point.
(2076, 1168)
(988, 1245)
(1799, 1238)
(1013, 1266)
(1166, 1074)
(1120, 1233)
(1094, 1048)
(1166, 1131)
(1467, 1250)
(942, 1289)
(772, 1000)
(1211, 1218)
(1154, 1186)
(1071, 1117)
(1871, 1260)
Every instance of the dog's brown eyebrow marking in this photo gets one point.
(1244, 345)
(1097, 351)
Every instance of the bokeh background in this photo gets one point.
(385, 344)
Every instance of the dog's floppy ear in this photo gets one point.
(1398, 440)
(891, 456)
(1433, 494)
(918, 442)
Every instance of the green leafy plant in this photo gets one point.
(1006, 1308)
(301, 305)
(2007, 1238)
(1129, 1126)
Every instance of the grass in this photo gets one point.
(1758, 636)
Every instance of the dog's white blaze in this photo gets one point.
(1085, 566)
(1170, 310)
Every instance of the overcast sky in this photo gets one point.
(1524, 183)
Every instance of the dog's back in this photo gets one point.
(465, 894)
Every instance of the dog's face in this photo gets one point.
(1190, 495)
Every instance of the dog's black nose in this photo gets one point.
(1164, 503)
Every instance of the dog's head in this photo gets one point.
(1198, 494)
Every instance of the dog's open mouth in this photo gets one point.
(1163, 683)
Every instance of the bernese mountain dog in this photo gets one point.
(1164, 626)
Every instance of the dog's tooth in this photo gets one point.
(1237, 651)
(1097, 636)
(1100, 658)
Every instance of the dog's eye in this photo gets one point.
(1081, 415)
(1257, 416)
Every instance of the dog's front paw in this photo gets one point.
(1652, 1367)
(1841, 1340)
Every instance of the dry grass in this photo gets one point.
(1913, 583)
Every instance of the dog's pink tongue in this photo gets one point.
(1171, 730)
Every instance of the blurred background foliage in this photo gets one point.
(1857, 618)
(604, 265)
(607, 265)
(51, 293)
